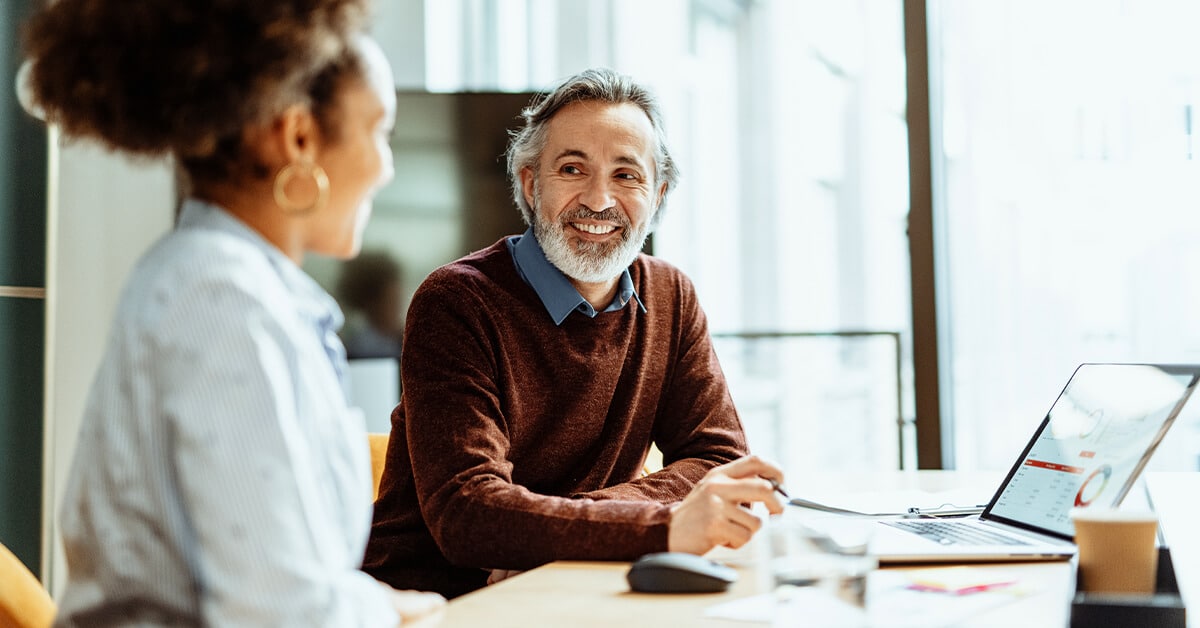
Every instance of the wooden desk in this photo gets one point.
(596, 594)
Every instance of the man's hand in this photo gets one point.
(496, 575)
(714, 512)
(417, 608)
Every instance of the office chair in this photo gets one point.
(24, 603)
(379, 445)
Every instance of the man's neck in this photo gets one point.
(598, 294)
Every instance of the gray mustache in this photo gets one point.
(583, 213)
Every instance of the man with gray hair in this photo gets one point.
(538, 373)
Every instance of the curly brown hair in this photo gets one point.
(157, 77)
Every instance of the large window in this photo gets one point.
(1064, 164)
(822, 240)
(1069, 196)
(788, 120)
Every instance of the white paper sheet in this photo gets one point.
(889, 603)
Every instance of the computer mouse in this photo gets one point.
(679, 572)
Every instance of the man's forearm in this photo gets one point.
(519, 530)
(667, 485)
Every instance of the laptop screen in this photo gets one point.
(1093, 443)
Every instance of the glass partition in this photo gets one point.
(819, 401)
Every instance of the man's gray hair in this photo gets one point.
(597, 84)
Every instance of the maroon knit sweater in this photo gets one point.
(518, 442)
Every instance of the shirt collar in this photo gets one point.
(558, 295)
(312, 301)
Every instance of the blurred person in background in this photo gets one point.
(371, 287)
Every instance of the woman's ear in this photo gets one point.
(292, 137)
(298, 134)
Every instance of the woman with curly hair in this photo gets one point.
(220, 477)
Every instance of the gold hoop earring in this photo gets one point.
(286, 175)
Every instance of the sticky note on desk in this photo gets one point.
(958, 580)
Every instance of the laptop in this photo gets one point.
(1087, 452)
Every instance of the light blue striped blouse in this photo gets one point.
(219, 477)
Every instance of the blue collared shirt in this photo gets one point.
(220, 478)
(555, 290)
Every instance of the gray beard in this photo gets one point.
(587, 262)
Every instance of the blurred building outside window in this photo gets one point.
(1069, 195)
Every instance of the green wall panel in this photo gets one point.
(21, 367)
(22, 321)
(22, 168)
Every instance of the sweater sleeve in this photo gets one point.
(697, 427)
(459, 449)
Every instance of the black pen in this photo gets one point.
(778, 489)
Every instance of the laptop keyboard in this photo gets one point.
(956, 533)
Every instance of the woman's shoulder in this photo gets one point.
(198, 270)
(201, 255)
